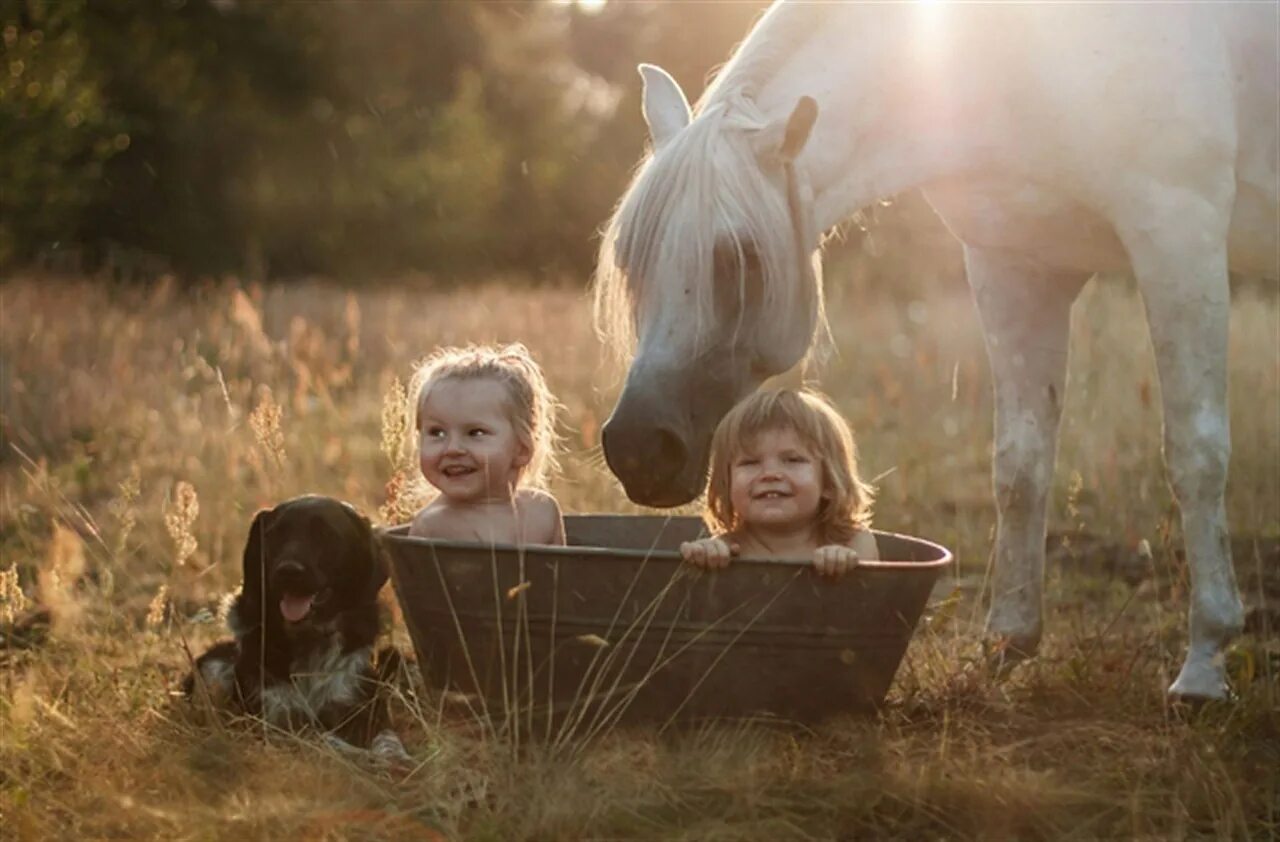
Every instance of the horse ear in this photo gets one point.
(799, 125)
(666, 110)
(247, 611)
(784, 141)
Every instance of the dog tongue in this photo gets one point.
(295, 607)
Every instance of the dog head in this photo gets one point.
(307, 561)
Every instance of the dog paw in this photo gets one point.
(389, 752)
(341, 746)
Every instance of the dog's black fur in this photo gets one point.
(319, 560)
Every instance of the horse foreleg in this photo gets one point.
(1026, 314)
(1182, 272)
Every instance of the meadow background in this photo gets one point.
(214, 277)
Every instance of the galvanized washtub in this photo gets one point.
(615, 627)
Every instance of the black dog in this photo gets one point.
(305, 624)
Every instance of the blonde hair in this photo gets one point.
(530, 404)
(846, 504)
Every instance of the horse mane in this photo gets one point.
(706, 182)
(781, 29)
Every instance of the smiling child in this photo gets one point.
(485, 423)
(784, 484)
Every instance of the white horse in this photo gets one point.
(1054, 140)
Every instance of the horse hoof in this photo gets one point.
(1196, 685)
(1001, 654)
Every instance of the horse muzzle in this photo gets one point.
(653, 461)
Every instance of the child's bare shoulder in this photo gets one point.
(536, 500)
(541, 515)
(427, 523)
(864, 544)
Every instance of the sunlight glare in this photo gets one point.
(929, 14)
(589, 7)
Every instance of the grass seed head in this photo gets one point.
(157, 610)
(265, 421)
(180, 515)
(12, 600)
(63, 566)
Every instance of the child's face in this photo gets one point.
(467, 445)
(775, 482)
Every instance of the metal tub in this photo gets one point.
(615, 627)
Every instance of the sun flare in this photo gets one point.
(590, 7)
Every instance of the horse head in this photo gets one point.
(708, 272)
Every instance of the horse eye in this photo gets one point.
(738, 279)
(724, 263)
(729, 256)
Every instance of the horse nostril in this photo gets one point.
(671, 452)
(656, 451)
(619, 452)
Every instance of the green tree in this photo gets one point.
(354, 139)
(56, 128)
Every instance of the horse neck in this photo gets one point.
(888, 101)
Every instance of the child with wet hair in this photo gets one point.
(485, 423)
(784, 484)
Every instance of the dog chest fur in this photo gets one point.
(323, 680)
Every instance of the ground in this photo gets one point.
(143, 428)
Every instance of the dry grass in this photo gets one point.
(142, 430)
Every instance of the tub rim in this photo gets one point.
(400, 533)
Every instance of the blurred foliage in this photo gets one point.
(55, 129)
(460, 139)
(129, 126)
(350, 139)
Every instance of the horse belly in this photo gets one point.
(1028, 219)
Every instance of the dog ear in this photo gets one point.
(379, 565)
(246, 614)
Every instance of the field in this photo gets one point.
(142, 428)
